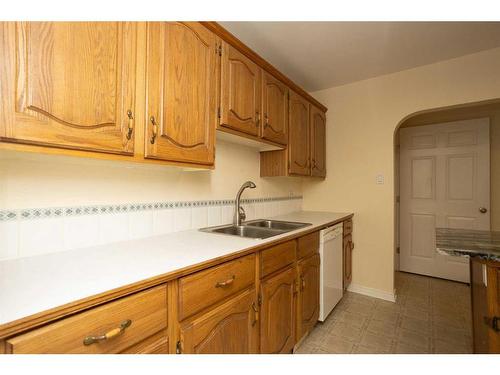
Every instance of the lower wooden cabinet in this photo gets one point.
(231, 328)
(348, 246)
(134, 324)
(485, 289)
(278, 303)
(308, 298)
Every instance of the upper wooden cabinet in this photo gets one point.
(274, 109)
(240, 92)
(318, 142)
(306, 152)
(182, 70)
(299, 159)
(150, 92)
(68, 84)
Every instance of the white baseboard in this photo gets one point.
(371, 292)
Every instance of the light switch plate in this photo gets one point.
(379, 179)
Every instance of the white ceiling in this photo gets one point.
(318, 55)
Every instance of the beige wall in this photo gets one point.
(35, 180)
(361, 121)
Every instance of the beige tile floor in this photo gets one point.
(430, 316)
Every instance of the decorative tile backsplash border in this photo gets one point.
(54, 212)
(37, 231)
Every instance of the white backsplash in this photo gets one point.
(23, 237)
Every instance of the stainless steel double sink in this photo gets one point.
(258, 229)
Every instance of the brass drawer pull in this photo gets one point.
(222, 284)
(89, 340)
(130, 124)
(256, 314)
(303, 283)
(155, 130)
(492, 322)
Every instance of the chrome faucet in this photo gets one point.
(239, 212)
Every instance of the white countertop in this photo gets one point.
(32, 285)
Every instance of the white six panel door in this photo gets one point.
(444, 182)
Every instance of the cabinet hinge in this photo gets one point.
(178, 347)
(218, 112)
(220, 49)
(259, 299)
(398, 250)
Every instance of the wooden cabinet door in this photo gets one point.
(68, 84)
(277, 326)
(479, 306)
(308, 302)
(240, 92)
(231, 328)
(275, 109)
(298, 140)
(494, 306)
(347, 260)
(181, 108)
(318, 142)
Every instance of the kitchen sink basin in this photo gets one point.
(245, 231)
(277, 224)
(258, 229)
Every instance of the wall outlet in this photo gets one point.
(379, 179)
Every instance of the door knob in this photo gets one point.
(483, 210)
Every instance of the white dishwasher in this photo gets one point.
(330, 280)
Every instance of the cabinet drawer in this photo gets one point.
(277, 257)
(146, 311)
(308, 245)
(210, 286)
(347, 227)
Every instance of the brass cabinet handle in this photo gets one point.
(352, 245)
(313, 164)
(266, 118)
(257, 118)
(256, 314)
(130, 124)
(89, 340)
(222, 284)
(303, 283)
(155, 129)
(493, 323)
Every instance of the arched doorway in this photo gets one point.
(470, 112)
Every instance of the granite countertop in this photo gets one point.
(36, 284)
(465, 242)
